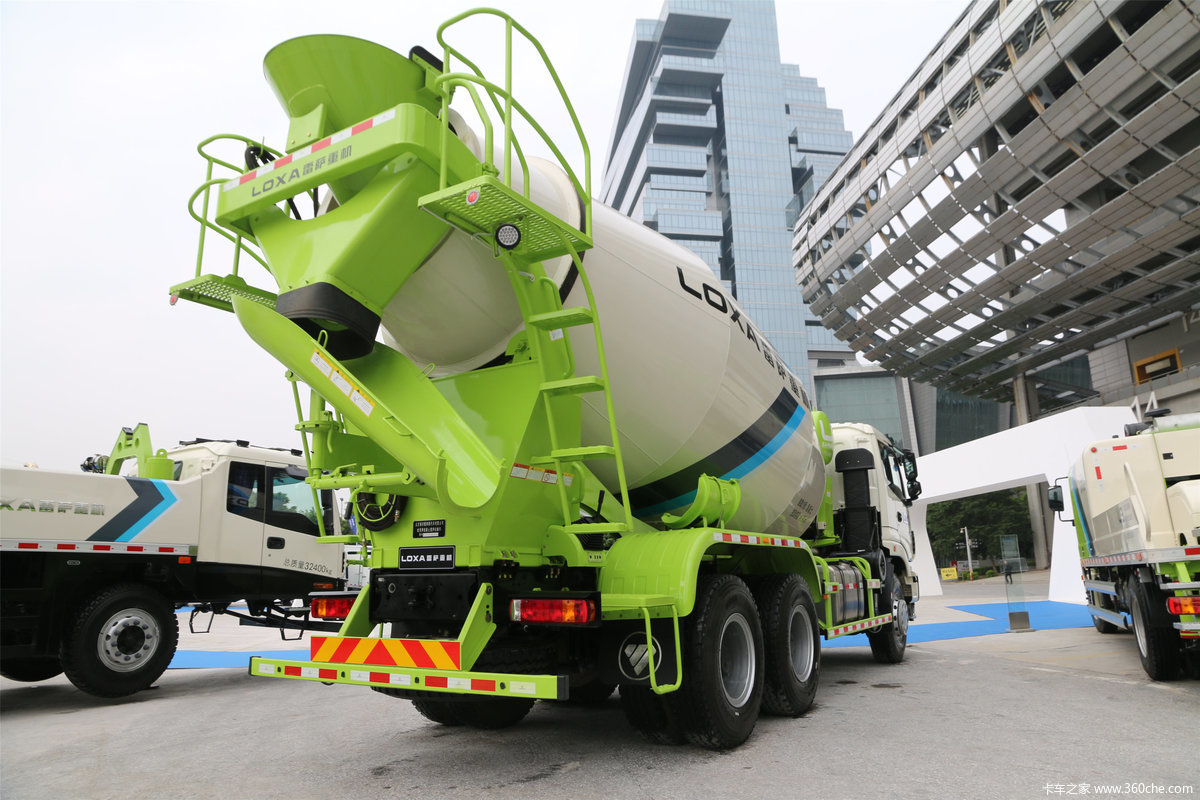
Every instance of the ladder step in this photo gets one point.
(596, 527)
(580, 385)
(577, 454)
(566, 318)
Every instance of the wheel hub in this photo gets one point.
(736, 655)
(900, 613)
(800, 639)
(128, 640)
(1139, 628)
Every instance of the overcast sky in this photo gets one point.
(101, 107)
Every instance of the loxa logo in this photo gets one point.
(426, 557)
(715, 299)
(634, 656)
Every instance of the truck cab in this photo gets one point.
(95, 563)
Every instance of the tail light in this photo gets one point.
(554, 610)
(1183, 605)
(332, 606)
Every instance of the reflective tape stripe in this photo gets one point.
(553, 687)
(743, 538)
(98, 547)
(1156, 556)
(340, 136)
(861, 626)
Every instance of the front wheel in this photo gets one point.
(791, 645)
(889, 642)
(120, 641)
(722, 674)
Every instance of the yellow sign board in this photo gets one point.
(949, 574)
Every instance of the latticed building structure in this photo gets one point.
(1026, 210)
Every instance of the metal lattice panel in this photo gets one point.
(1033, 192)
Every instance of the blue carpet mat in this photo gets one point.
(1043, 615)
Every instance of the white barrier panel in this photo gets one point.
(1039, 451)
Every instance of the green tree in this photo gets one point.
(987, 517)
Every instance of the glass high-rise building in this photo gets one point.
(717, 145)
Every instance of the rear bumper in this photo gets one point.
(448, 681)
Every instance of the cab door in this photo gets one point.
(294, 560)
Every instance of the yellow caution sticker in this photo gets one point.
(343, 383)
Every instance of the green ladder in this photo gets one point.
(547, 324)
(522, 235)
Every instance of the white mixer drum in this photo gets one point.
(696, 388)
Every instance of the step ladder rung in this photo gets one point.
(577, 454)
(596, 527)
(564, 318)
(577, 385)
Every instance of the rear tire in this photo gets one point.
(30, 670)
(723, 665)
(791, 645)
(439, 711)
(1157, 641)
(652, 715)
(120, 641)
(490, 713)
(889, 642)
(592, 693)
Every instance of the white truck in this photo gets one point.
(1136, 504)
(94, 566)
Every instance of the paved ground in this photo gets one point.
(1013, 715)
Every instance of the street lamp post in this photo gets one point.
(967, 539)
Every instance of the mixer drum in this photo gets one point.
(696, 387)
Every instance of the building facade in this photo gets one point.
(1023, 221)
(718, 145)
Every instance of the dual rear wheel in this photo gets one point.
(743, 652)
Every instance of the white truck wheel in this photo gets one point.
(1157, 642)
(889, 642)
(120, 641)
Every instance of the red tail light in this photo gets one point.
(1183, 605)
(553, 610)
(332, 607)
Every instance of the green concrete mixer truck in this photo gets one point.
(551, 512)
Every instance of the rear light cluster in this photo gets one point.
(1183, 605)
(332, 607)
(553, 610)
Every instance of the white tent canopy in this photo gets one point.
(1039, 451)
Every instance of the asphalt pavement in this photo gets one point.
(994, 714)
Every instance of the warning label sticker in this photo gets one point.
(525, 472)
(343, 384)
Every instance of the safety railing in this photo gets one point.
(217, 290)
(505, 104)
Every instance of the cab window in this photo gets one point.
(291, 505)
(244, 494)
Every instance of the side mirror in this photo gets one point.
(914, 490)
(910, 468)
(1055, 499)
(296, 471)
